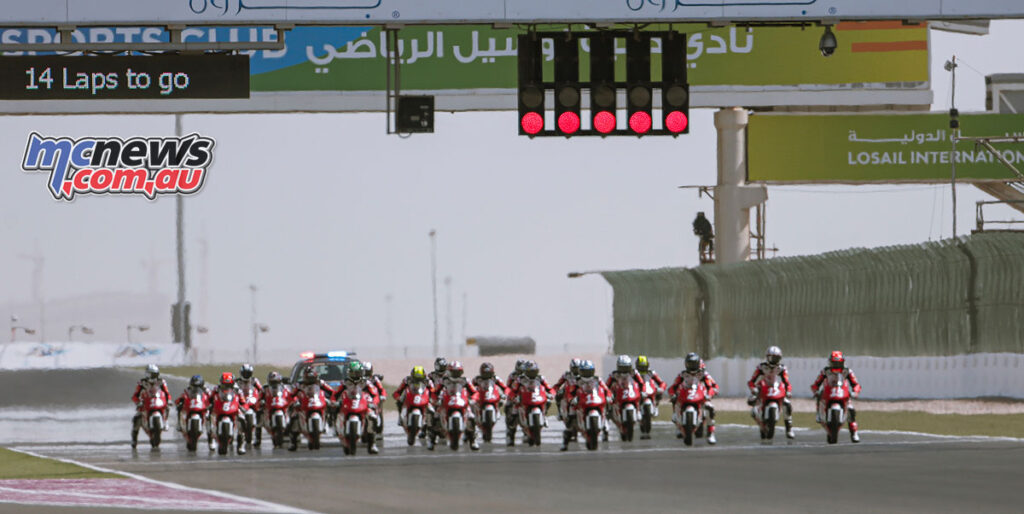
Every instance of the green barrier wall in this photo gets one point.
(943, 298)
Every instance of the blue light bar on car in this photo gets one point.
(337, 354)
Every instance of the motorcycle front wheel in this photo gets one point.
(411, 431)
(592, 438)
(688, 434)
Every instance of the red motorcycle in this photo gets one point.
(689, 408)
(626, 407)
(488, 406)
(191, 418)
(454, 405)
(226, 405)
(533, 401)
(835, 396)
(590, 406)
(154, 406)
(276, 420)
(771, 396)
(414, 407)
(648, 406)
(249, 402)
(312, 404)
(355, 420)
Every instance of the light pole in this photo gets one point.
(139, 328)
(81, 328)
(257, 328)
(433, 282)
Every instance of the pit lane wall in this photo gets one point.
(76, 355)
(952, 309)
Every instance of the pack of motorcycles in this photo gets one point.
(357, 418)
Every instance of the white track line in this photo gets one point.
(267, 506)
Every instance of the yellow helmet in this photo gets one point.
(641, 363)
(418, 373)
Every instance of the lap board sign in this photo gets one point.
(106, 77)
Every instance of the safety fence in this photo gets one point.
(952, 297)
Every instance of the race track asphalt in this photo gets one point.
(887, 472)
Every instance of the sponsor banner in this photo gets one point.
(878, 148)
(160, 12)
(472, 67)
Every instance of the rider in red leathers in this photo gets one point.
(837, 366)
(151, 378)
(530, 372)
(310, 379)
(454, 380)
(416, 375)
(772, 365)
(564, 386)
(510, 417)
(624, 371)
(246, 379)
(695, 369)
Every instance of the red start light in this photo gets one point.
(568, 122)
(640, 122)
(532, 123)
(306, 355)
(604, 122)
(676, 122)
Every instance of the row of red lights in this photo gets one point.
(604, 122)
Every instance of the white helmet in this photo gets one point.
(773, 355)
(624, 364)
(152, 371)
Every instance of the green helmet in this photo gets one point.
(355, 370)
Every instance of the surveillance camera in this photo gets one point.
(828, 42)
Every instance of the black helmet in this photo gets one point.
(520, 365)
(586, 369)
(692, 362)
(574, 366)
(531, 369)
(487, 370)
(440, 364)
(246, 371)
(196, 381)
(274, 378)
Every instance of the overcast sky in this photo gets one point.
(328, 216)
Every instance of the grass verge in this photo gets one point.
(17, 465)
(995, 425)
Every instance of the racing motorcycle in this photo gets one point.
(312, 405)
(276, 418)
(835, 396)
(771, 396)
(648, 406)
(249, 401)
(191, 418)
(454, 406)
(226, 406)
(488, 407)
(415, 407)
(154, 405)
(626, 407)
(533, 401)
(590, 406)
(689, 408)
(355, 420)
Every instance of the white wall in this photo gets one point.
(882, 378)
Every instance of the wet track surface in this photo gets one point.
(887, 472)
